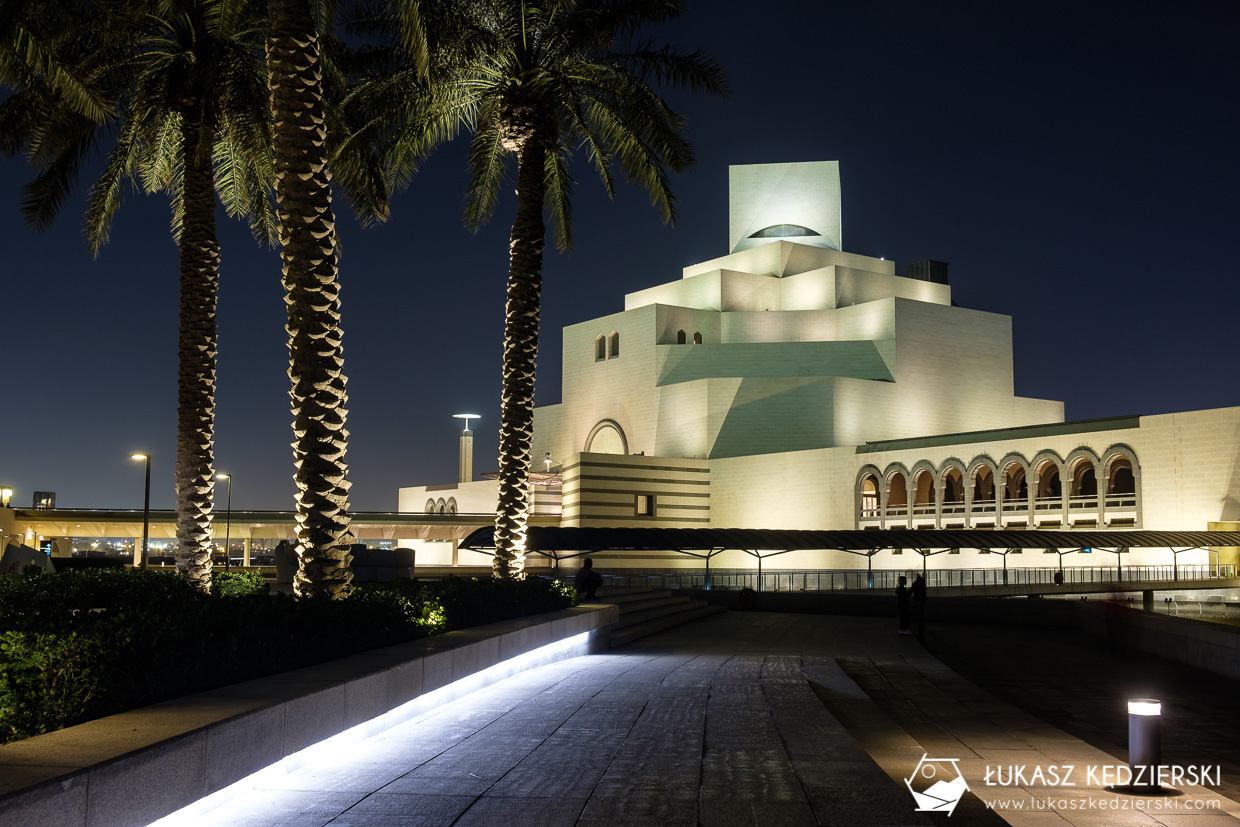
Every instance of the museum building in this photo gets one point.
(792, 385)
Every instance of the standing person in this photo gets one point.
(919, 605)
(587, 580)
(902, 598)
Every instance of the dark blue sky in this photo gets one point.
(1075, 163)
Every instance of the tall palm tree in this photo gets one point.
(534, 80)
(186, 82)
(312, 294)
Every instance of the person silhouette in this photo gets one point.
(902, 598)
(918, 601)
(587, 580)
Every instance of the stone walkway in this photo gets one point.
(740, 719)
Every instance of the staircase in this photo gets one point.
(646, 611)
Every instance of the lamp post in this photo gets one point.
(146, 507)
(227, 518)
(6, 494)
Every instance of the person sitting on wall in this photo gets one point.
(587, 580)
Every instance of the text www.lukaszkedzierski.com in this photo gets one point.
(1050, 803)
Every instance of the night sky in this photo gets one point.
(1076, 164)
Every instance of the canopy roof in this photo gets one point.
(554, 539)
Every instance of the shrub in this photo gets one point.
(236, 583)
(82, 644)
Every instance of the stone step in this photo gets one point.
(641, 630)
(619, 598)
(631, 614)
(632, 607)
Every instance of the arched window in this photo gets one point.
(615, 345)
(983, 486)
(1015, 489)
(600, 348)
(430, 506)
(1084, 480)
(784, 231)
(923, 490)
(680, 337)
(1122, 479)
(897, 494)
(440, 506)
(953, 490)
(451, 505)
(869, 497)
(697, 338)
(1049, 487)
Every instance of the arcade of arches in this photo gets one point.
(1081, 491)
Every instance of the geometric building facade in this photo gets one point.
(790, 384)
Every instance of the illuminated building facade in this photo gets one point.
(790, 384)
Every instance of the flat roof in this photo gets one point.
(1081, 426)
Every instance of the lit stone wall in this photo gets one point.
(1195, 458)
(1188, 477)
(786, 258)
(604, 490)
(805, 194)
(477, 497)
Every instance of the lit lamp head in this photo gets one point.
(139, 456)
(1144, 706)
(466, 417)
(223, 476)
(6, 494)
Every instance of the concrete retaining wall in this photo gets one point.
(138, 766)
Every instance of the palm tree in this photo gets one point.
(312, 295)
(187, 84)
(533, 80)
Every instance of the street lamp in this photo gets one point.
(146, 506)
(227, 518)
(6, 494)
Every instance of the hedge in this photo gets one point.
(78, 645)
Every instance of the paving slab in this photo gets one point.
(743, 718)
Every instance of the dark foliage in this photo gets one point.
(83, 644)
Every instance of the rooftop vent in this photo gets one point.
(931, 271)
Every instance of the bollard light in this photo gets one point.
(1144, 741)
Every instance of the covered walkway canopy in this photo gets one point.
(547, 539)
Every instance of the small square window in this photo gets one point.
(645, 505)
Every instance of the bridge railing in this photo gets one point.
(885, 579)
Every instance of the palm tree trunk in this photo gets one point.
(516, 428)
(312, 293)
(200, 261)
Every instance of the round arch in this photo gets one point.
(1084, 472)
(1047, 471)
(981, 479)
(607, 437)
(868, 492)
(895, 489)
(1013, 482)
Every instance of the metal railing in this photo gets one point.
(821, 580)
